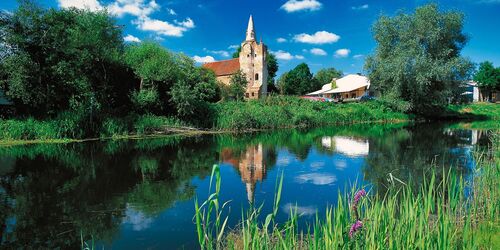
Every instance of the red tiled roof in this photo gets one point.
(224, 68)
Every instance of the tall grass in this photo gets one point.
(286, 112)
(446, 213)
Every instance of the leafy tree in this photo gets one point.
(272, 68)
(194, 87)
(299, 81)
(62, 59)
(488, 77)
(237, 85)
(325, 76)
(417, 59)
(236, 54)
(151, 63)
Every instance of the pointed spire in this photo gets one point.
(250, 30)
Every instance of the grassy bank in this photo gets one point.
(270, 113)
(447, 213)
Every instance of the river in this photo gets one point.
(136, 194)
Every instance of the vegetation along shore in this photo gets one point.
(443, 212)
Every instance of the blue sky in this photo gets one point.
(322, 33)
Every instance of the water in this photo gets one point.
(134, 194)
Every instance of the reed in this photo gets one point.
(446, 213)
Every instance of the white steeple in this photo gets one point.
(250, 30)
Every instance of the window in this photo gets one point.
(246, 95)
(253, 94)
(248, 55)
(257, 77)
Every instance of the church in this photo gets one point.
(252, 61)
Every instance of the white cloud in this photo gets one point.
(81, 4)
(160, 27)
(188, 23)
(301, 5)
(316, 179)
(171, 12)
(301, 210)
(283, 55)
(138, 8)
(281, 40)
(131, 38)
(357, 56)
(320, 37)
(342, 52)
(234, 46)
(217, 52)
(361, 7)
(318, 52)
(203, 59)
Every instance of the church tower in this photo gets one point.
(253, 62)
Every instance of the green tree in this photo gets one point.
(272, 69)
(151, 63)
(488, 78)
(325, 76)
(417, 59)
(63, 59)
(299, 81)
(237, 85)
(192, 90)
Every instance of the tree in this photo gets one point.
(62, 59)
(417, 59)
(272, 68)
(325, 76)
(237, 85)
(488, 78)
(151, 63)
(299, 81)
(193, 88)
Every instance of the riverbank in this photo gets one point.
(444, 212)
(232, 116)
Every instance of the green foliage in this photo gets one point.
(147, 124)
(325, 76)
(151, 63)
(488, 77)
(440, 214)
(417, 59)
(272, 68)
(237, 86)
(192, 91)
(62, 57)
(299, 81)
(292, 112)
(145, 100)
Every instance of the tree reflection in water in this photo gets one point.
(49, 193)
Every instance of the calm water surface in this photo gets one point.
(135, 194)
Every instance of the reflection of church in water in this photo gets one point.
(250, 163)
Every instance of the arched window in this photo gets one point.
(257, 77)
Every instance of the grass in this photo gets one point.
(446, 213)
(270, 113)
(288, 112)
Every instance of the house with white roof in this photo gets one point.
(348, 87)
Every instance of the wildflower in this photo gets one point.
(355, 227)
(358, 196)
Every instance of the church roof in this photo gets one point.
(224, 68)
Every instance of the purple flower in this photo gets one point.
(358, 196)
(355, 227)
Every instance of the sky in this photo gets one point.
(321, 33)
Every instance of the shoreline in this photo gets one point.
(170, 132)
